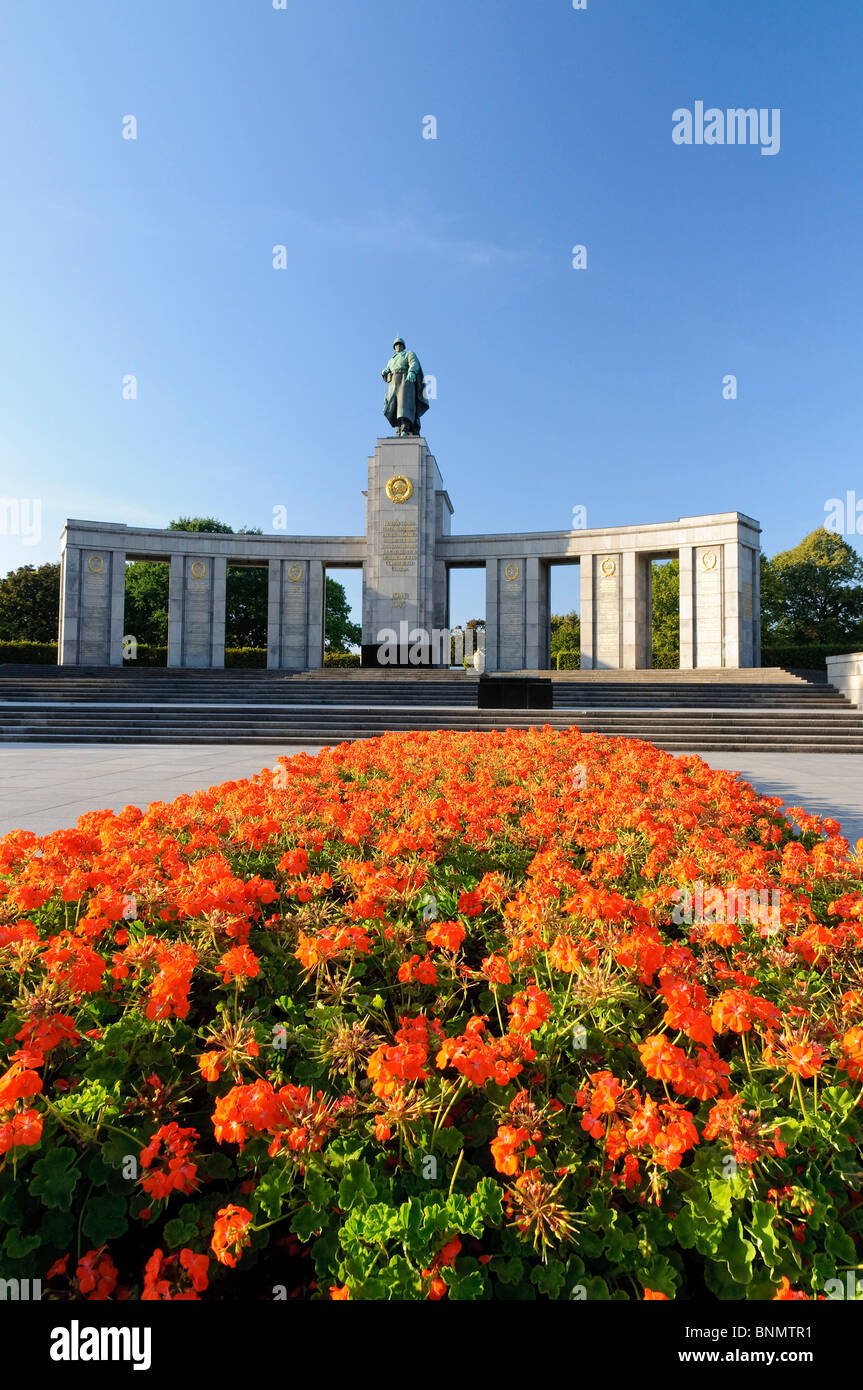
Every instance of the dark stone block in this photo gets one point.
(514, 692)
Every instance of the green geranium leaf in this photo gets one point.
(54, 1177)
(307, 1222)
(105, 1218)
(179, 1233)
(18, 1246)
(549, 1278)
(509, 1271)
(356, 1186)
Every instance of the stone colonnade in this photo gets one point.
(405, 556)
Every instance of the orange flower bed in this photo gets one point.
(518, 1015)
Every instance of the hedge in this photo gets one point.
(248, 657)
(806, 658)
(666, 661)
(29, 653)
(342, 659)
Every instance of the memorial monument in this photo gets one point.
(406, 553)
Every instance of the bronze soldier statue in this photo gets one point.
(405, 402)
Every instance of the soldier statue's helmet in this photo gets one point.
(399, 342)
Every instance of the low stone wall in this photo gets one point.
(846, 674)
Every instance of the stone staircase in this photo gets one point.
(763, 710)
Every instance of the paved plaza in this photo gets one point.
(43, 788)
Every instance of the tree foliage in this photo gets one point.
(665, 591)
(565, 633)
(341, 633)
(813, 593)
(30, 604)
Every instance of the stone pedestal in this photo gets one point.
(404, 588)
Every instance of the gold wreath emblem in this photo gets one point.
(95, 564)
(608, 568)
(512, 572)
(199, 569)
(399, 489)
(294, 573)
(708, 560)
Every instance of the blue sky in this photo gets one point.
(260, 388)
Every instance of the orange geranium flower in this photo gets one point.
(231, 1234)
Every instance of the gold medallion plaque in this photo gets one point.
(399, 488)
(608, 568)
(708, 560)
(95, 564)
(294, 573)
(199, 569)
(512, 572)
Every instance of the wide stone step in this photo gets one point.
(330, 738)
(226, 716)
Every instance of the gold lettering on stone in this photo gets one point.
(399, 545)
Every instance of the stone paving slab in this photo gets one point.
(43, 788)
(825, 784)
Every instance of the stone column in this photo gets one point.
(491, 616)
(274, 615)
(708, 577)
(635, 611)
(506, 613)
(536, 642)
(175, 610)
(602, 606)
(196, 611)
(756, 607)
(687, 609)
(317, 606)
(70, 596)
(92, 599)
(741, 615)
(586, 582)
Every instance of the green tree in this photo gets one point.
(146, 615)
(246, 603)
(30, 604)
(565, 634)
(208, 524)
(813, 593)
(665, 613)
(340, 633)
